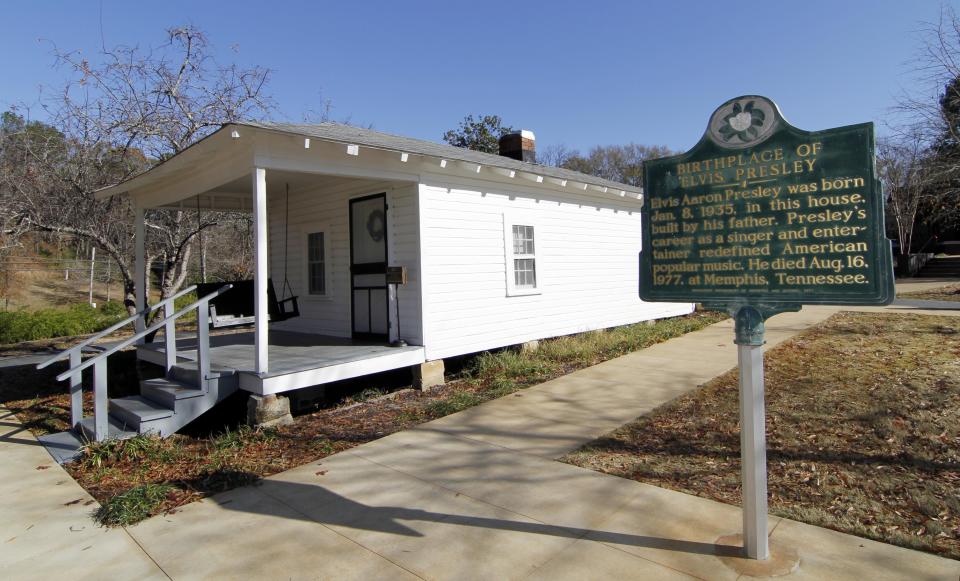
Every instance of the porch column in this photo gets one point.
(261, 311)
(139, 270)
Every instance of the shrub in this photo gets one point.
(82, 319)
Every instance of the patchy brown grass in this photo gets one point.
(950, 292)
(863, 432)
(144, 476)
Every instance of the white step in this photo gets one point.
(186, 372)
(138, 412)
(116, 429)
(167, 392)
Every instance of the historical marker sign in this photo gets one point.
(760, 212)
(758, 218)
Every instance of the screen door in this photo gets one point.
(368, 267)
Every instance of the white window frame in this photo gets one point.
(327, 259)
(511, 219)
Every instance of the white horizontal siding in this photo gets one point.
(404, 250)
(586, 260)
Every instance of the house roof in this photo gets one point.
(358, 137)
(350, 135)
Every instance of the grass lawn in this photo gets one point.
(863, 432)
(950, 292)
(144, 476)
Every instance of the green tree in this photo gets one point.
(481, 134)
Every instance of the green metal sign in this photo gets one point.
(761, 213)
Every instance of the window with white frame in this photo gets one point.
(521, 255)
(524, 258)
(316, 264)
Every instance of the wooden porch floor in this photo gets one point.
(296, 360)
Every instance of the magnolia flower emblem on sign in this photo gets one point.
(743, 122)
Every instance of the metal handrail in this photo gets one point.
(112, 328)
(132, 339)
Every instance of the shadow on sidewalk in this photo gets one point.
(315, 503)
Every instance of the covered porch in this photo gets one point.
(327, 223)
(297, 360)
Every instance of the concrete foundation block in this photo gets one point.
(530, 346)
(427, 375)
(268, 411)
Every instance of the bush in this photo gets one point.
(82, 319)
(133, 505)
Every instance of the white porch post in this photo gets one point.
(261, 311)
(139, 270)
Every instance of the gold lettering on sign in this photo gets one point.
(761, 220)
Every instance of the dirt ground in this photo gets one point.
(863, 432)
(950, 292)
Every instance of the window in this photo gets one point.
(316, 264)
(519, 233)
(524, 262)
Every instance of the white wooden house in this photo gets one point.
(498, 252)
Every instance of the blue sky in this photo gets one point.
(577, 73)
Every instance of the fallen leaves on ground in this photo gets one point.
(863, 432)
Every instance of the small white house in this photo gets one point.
(497, 252)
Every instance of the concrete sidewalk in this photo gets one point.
(475, 495)
(46, 531)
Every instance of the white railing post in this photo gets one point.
(76, 390)
(169, 335)
(203, 343)
(100, 420)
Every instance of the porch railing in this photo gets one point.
(75, 353)
(99, 362)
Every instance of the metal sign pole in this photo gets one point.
(753, 438)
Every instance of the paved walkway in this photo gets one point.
(476, 495)
(45, 527)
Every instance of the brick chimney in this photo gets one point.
(520, 146)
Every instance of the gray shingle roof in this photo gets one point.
(369, 138)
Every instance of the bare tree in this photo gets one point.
(555, 155)
(116, 118)
(903, 165)
(922, 163)
(619, 163)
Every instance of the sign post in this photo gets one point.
(759, 218)
(753, 436)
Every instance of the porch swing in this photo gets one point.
(237, 306)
